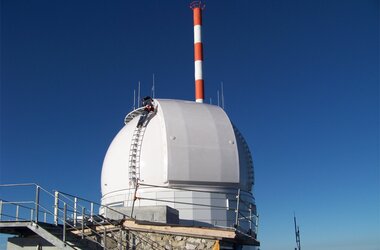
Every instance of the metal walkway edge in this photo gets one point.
(14, 226)
(133, 114)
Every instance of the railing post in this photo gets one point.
(105, 239)
(56, 204)
(257, 224)
(120, 243)
(83, 213)
(37, 202)
(17, 210)
(45, 217)
(237, 208)
(75, 211)
(250, 217)
(134, 198)
(1, 209)
(64, 223)
(92, 211)
(31, 214)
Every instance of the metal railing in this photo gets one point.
(70, 213)
(244, 211)
(73, 213)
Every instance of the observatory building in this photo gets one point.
(186, 164)
(188, 156)
(178, 175)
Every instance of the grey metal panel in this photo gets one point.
(201, 144)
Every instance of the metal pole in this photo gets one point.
(83, 213)
(75, 211)
(134, 99)
(250, 218)
(138, 96)
(222, 94)
(64, 223)
(1, 209)
(17, 210)
(153, 88)
(104, 239)
(92, 210)
(120, 239)
(257, 224)
(31, 214)
(237, 208)
(134, 198)
(56, 205)
(217, 94)
(37, 202)
(45, 217)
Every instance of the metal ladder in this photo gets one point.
(136, 143)
(134, 155)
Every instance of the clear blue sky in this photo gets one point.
(301, 82)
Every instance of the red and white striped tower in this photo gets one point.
(197, 7)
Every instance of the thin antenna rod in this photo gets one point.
(222, 93)
(153, 87)
(138, 96)
(217, 94)
(134, 99)
(297, 232)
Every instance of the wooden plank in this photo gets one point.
(199, 232)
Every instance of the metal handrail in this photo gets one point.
(105, 219)
(73, 203)
(181, 202)
(18, 184)
(96, 203)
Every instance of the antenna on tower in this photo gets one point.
(297, 232)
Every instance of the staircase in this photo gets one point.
(56, 219)
(51, 233)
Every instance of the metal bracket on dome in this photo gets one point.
(133, 114)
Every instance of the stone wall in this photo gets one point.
(147, 241)
(170, 241)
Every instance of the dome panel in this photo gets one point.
(201, 144)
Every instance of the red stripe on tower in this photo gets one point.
(197, 7)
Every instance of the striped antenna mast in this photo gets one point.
(197, 7)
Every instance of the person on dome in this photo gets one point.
(147, 103)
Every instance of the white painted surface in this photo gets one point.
(186, 144)
(201, 152)
(197, 33)
(198, 70)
